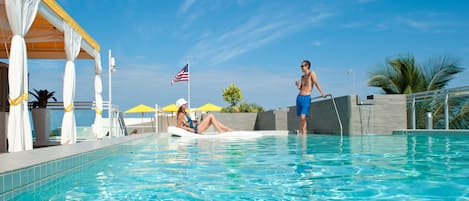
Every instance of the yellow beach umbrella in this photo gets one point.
(209, 107)
(170, 108)
(141, 108)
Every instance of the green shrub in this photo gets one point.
(243, 107)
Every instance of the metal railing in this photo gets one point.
(117, 127)
(445, 94)
(336, 111)
(116, 123)
(122, 127)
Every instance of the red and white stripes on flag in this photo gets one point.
(183, 75)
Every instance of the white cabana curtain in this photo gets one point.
(21, 14)
(98, 90)
(72, 45)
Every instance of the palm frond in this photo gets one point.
(461, 119)
(441, 72)
(383, 82)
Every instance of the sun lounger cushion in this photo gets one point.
(179, 132)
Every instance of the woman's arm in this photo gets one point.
(182, 123)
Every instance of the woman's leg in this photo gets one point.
(211, 120)
(206, 122)
(220, 125)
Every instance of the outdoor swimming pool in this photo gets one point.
(313, 167)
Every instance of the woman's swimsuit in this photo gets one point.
(191, 124)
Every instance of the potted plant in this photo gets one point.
(41, 115)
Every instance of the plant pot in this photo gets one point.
(3, 131)
(41, 119)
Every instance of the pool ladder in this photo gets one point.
(336, 111)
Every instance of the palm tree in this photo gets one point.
(42, 97)
(403, 75)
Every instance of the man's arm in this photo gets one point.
(315, 81)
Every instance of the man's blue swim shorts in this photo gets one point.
(302, 105)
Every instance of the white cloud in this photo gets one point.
(321, 16)
(317, 43)
(259, 30)
(421, 25)
(185, 6)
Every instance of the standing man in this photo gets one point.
(303, 100)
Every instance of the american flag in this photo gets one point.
(183, 75)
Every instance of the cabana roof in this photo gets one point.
(45, 39)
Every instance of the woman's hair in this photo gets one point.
(180, 110)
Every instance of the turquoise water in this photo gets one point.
(313, 167)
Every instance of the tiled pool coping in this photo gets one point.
(17, 160)
(21, 169)
(429, 131)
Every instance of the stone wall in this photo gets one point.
(323, 118)
(238, 121)
(272, 120)
(269, 120)
(390, 113)
(381, 114)
(164, 121)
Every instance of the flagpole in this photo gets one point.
(189, 84)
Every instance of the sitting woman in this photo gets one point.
(185, 122)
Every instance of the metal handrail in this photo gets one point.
(122, 126)
(439, 93)
(336, 111)
(434, 94)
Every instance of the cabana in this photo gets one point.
(41, 29)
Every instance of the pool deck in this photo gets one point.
(429, 131)
(23, 159)
(18, 160)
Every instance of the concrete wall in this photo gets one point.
(322, 117)
(238, 121)
(292, 120)
(269, 120)
(390, 113)
(380, 115)
(164, 121)
(272, 120)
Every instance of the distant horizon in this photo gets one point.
(258, 46)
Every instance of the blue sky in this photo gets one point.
(258, 45)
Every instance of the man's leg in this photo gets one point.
(302, 126)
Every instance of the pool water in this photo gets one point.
(313, 167)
